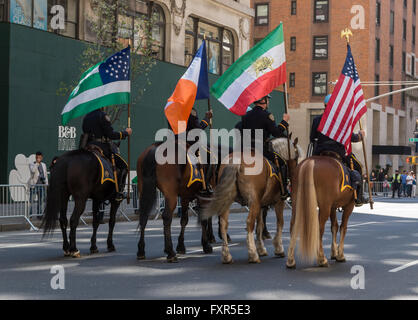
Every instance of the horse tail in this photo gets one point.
(307, 221)
(225, 192)
(57, 183)
(148, 195)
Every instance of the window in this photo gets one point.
(405, 3)
(414, 6)
(377, 52)
(293, 44)
(403, 61)
(392, 22)
(261, 14)
(319, 83)
(391, 56)
(413, 34)
(292, 80)
(293, 8)
(390, 90)
(71, 17)
(2, 10)
(376, 88)
(378, 11)
(321, 11)
(404, 30)
(132, 28)
(320, 47)
(220, 44)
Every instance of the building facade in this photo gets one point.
(36, 56)
(384, 49)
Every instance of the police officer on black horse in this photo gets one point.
(98, 131)
(323, 145)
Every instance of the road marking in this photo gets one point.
(363, 224)
(40, 244)
(410, 264)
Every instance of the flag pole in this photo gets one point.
(209, 106)
(286, 105)
(128, 199)
(347, 33)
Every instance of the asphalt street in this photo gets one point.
(382, 242)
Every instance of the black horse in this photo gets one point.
(78, 173)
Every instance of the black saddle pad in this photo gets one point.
(106, 169)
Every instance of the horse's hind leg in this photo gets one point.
(277, 241)
(223, 222)
(171, 203)
(181, 249)
(80, 205)
(334, 231)
(143, 219)
(324, 214)
(205, 223)
(252, 216)
(347, 210)
(93, 246)
(261, 249)
(64, 223)
(112, 221)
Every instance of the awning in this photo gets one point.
(396, 150)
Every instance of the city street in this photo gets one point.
(384, 242)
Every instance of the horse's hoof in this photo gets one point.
(67, 253)
(172, 259)
(207, 249)
(93, 251)
(140, 257)
(340, 260)
(280, 255)
(254, 261)
(291, 264)
(111, 249)
(263, 254)
(291, 267)
(213, 240)
(324, 265)
(76, 254)
(266, 236)
(181, 251)
(228, 238)
(228, 261)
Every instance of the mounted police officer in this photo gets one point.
(324, 145)
(260, 118)
(97, 126)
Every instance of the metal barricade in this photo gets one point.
(378, 188)
(14, 203)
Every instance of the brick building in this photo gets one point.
(384, 48)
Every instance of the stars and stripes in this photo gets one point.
(346, 106)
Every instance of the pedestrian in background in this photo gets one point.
(396, 183)
(37, 183)
(403, 183)
(409, 184)
(386, 186)
(414, 185)
(380, 179)
(373, 181)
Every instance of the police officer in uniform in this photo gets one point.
(98, 127)
(260, 118)
(323, 144)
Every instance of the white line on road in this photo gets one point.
(363, 224)
(410, 264)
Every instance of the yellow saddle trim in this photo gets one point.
(192, 173)
(103, 179)
(343, 187)
(272, 174)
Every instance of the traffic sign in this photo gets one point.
(413, 140)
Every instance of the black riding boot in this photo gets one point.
(285, 194)
(121, 184)
(208, 192)
(360, 196)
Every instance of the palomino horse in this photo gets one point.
(78, 173)
(172, 180)
(255, 190)
(319, 184)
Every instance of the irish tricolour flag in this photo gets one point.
(105, 84)
(254, 75)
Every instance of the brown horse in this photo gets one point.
(319, 184)
(172, 180)
(257, 191)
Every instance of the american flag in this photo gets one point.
(346, 106)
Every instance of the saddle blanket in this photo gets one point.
(195, 175)
(106, 168)
(347, 179)
(273, 170)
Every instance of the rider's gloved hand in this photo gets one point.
(128, 131)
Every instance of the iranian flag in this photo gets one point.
(254, 75)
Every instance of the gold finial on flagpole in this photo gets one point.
(347, 34)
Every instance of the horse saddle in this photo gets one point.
(273, 170)
(105, 164)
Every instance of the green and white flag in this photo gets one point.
(254, 75)
(105, 84)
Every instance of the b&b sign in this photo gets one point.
(67, 138)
